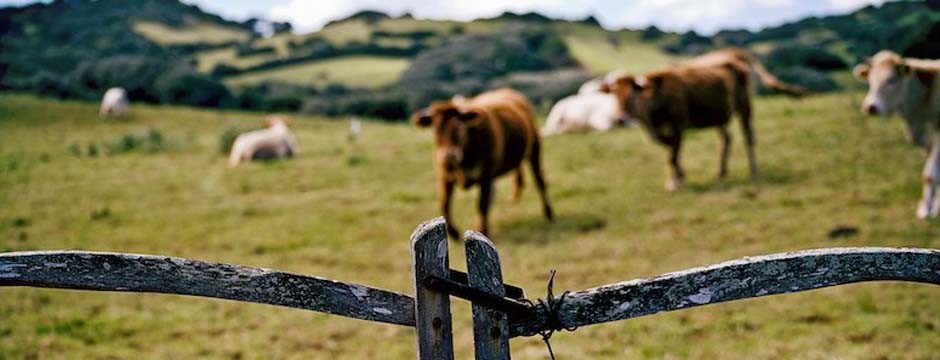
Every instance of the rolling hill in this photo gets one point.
(164, 49)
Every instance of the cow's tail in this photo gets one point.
(772, 82)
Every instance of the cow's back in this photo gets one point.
(510, 119)
(706, 94)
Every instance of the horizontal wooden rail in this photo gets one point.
(168, 275)
(739, 279)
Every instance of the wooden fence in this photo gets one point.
(500, 311)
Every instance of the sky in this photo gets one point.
(703, 16)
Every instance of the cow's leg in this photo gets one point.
(676, 176)
(447, 190)
(725, 151)
(483, 206)
(520, 184)
(929, 203)
(745, 111)
(535, 160)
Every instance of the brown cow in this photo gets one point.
(702, 92)
(479, 139)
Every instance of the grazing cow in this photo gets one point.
(703, 92)
(585, 111)
(911, 88)
(275, 141)
(479, 139)
(114, 103)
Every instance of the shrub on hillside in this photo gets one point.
(545, 87)
(690, 43)
(183, 85)
(388, 105)
(466, 65)
(815, 57)
(809, 78)
(247, 49)
(149, 141)
(273, 97)
(652, 33)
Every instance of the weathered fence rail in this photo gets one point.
(168, 275)
(500, 311)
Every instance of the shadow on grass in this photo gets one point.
(769, 176)
(537, 230)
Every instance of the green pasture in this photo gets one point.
(69, 180)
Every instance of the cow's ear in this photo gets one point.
(861, 71)
(903, 69)
(422, 118)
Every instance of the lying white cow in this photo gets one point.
(594, 86)
(589, 111)
(273, 142)
(910, 87)
(114, 103)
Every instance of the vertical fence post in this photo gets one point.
(432, 308)
(490, 327)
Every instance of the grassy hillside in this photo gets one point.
(600, 51)
(345, 211)
(197, 33)
(596, 49)
(207, 60)
(355, 71)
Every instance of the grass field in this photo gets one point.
(196, 33)
(353, 71)
(345, 212)
(601, 51)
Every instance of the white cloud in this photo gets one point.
(677, 15)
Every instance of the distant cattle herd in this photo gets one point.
(481, 138)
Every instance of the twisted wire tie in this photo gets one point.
(550, 305)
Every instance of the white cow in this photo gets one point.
(273, 142)
(114, 103)
(594, 86)
(911, 88)
(589, 111)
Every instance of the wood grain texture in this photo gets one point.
(432, 308)
(740, 279)
(168, 275)
(490, 326)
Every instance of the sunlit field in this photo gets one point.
(356, 71)
(345, 210)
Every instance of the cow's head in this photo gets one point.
(275, 122)
(885, 74)
(635, 96)
(452, 127)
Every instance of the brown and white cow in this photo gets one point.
(911, 88)
(479, 139)
(700, 93)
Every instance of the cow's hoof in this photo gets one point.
(673, 184)
(924, 213)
